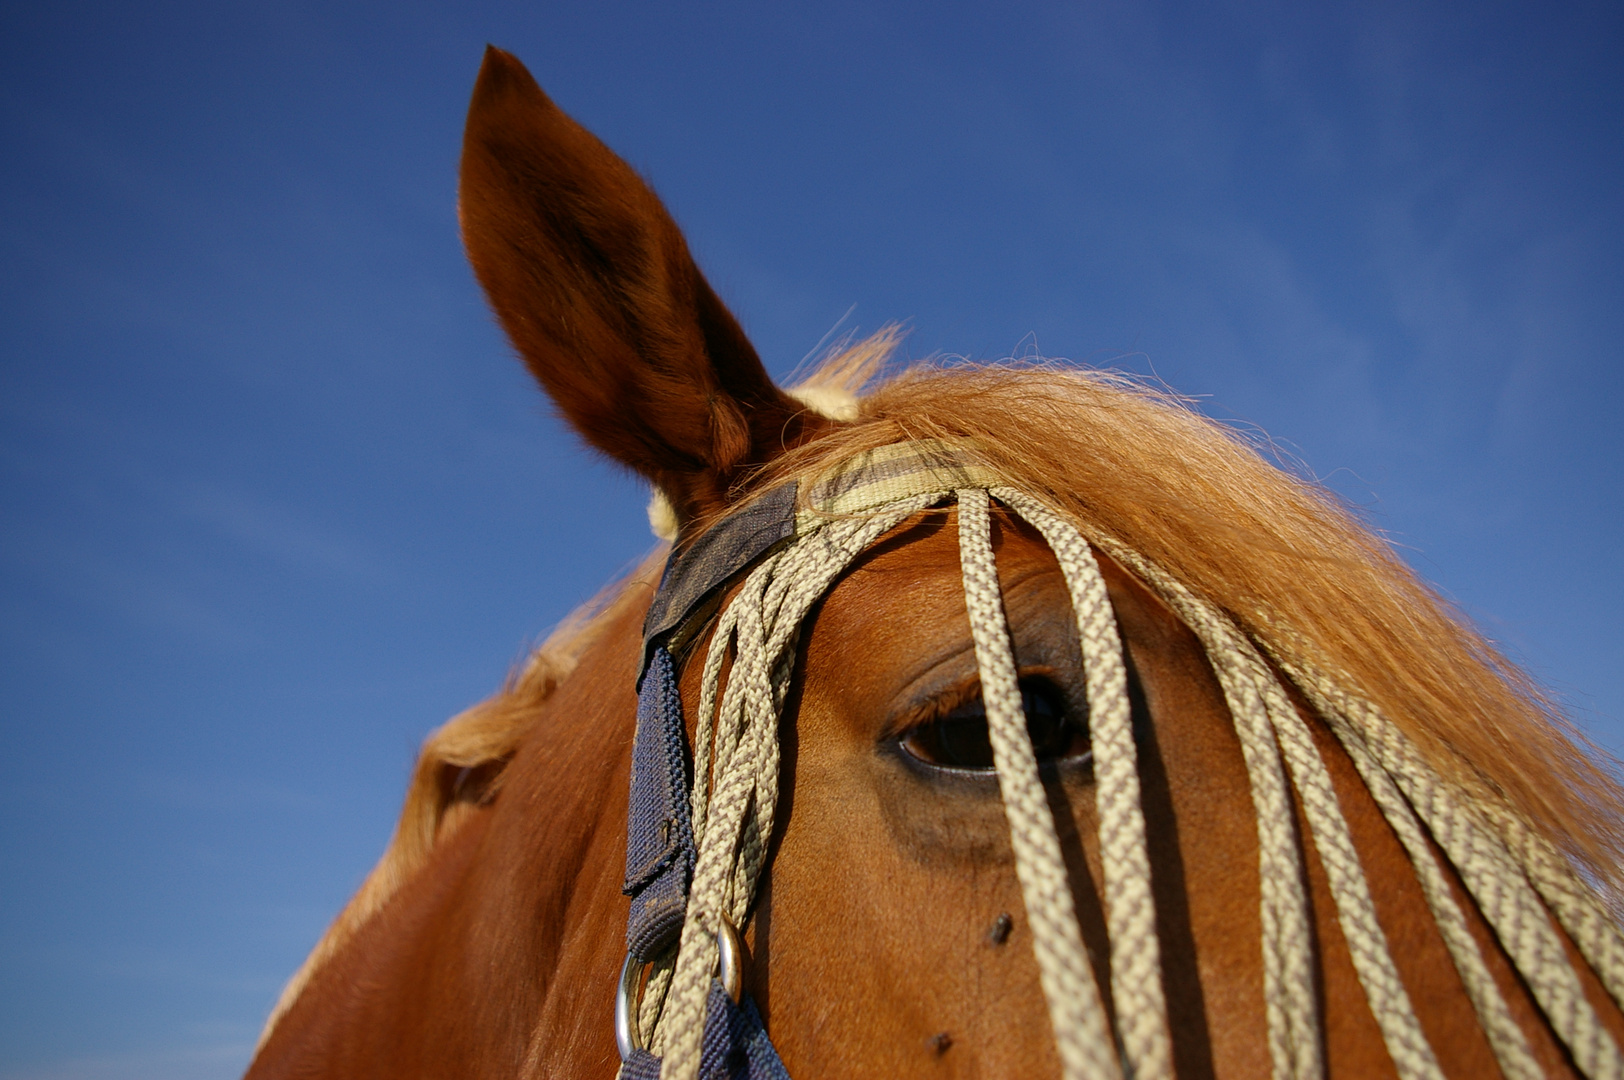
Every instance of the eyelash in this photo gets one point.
(958, 739)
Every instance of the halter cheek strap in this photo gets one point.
(660, 849)
(694, 577)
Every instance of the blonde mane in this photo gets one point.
(1292, 564)
(1288, 560)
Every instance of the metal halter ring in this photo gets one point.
(629, 994)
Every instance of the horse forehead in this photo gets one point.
(906, 593)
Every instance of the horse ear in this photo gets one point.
(595, 287)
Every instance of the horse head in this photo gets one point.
(1011, 722)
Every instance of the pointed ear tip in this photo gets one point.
(500, 72)
(494, 57)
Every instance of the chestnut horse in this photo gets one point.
(889, 933)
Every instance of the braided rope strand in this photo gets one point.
(733, 815)
(1506, 1038)
(1075, 1011)
(1289, 994)
(1577, 906)
(1356, 911)
(709, 720)
(1136, 968)
(1491, 875)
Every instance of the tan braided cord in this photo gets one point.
(1136, 967)
(1490, 873)
(1593, 927)
(1517, 878)
(1577, 906)
(1505, 1036)
(1550, 977)
(1288, 947)
(1356, 911)
(1075, 1010)
(733, 809)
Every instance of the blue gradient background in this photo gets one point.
(277, 501)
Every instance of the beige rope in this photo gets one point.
(1356, 911)
(1373, 962)
(1490, 847)
(1576, 905)
(1288, 981)
(1490, 874)
(1075, 1011)
(1136, 967)
(1505, 1035)
(733, 808)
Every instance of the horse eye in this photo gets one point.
(959, 739)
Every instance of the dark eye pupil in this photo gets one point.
(960, 743)
(959, 740)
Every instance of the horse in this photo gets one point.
(1056, 731)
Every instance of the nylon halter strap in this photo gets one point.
(697, 837)
(660, 850)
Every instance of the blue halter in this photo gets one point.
(660, 850)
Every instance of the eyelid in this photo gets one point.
(932, 708)
(944, 703)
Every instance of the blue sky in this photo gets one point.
(277, 500)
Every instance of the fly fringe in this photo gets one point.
(1514, 876)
